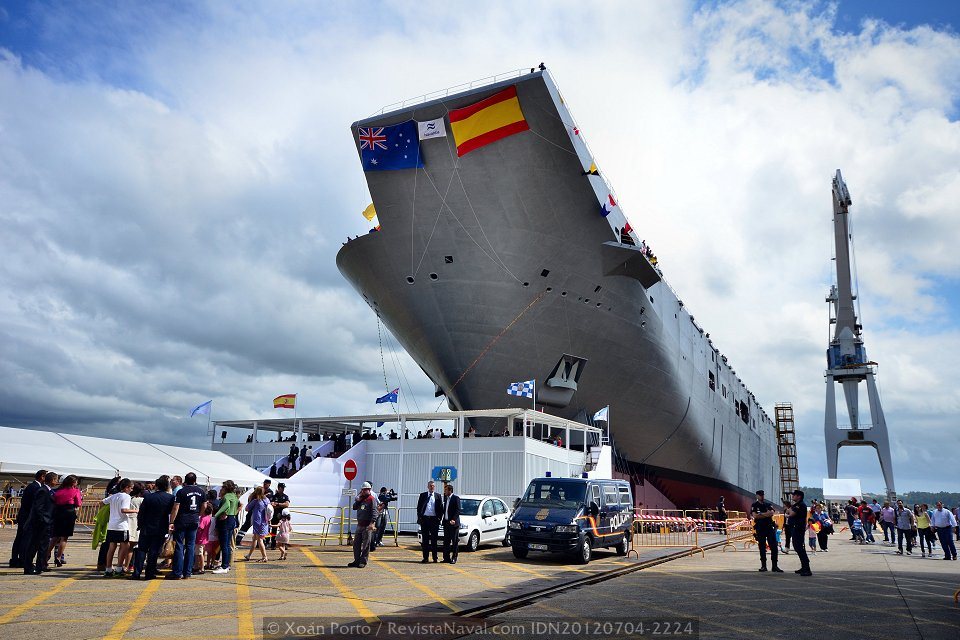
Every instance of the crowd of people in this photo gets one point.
(144, 527)
(900, 524)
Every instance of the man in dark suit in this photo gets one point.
(429, 510)
(38, 527)
(153, 520)
(451, 524)
(26, 501)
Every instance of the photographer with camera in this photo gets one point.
(384, 498)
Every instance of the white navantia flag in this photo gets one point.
(603, 414)
(432, 129)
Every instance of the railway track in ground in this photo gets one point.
(516, 602)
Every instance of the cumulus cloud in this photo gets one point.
(173, 198)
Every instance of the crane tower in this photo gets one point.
(847, 363)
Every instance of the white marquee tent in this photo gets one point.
(23, 451)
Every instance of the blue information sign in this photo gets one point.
(444, 474)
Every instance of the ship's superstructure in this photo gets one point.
(503, 255)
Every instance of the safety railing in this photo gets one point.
(321, 523)
(86, 514)
(334, 524)
(443, 93)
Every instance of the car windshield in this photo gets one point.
(469, 507)
(552, 493)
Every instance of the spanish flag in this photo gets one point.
(487, 121)
(288, 401)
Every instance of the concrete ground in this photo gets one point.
(74, 602)
(855, 591)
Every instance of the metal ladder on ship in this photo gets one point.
(787, 450)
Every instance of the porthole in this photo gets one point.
(598, 305)
(526, 284)
(409, 279)
(549, 289)
(448, 259)
(586, 301)
(563, 293)
(434, 276)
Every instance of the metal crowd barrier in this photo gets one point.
(86, 514)
(330, 525)
(665, 528)
(8, 511)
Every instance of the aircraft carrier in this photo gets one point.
(513, 261)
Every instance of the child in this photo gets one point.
(858, 531)
(283, 533)
(203, 539)
(812, 534)
(780, 539)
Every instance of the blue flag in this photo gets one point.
(396, 147)
(390, 397)
(525, 389)
(202, 408)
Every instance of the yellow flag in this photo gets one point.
(369, 213)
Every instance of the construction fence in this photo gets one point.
(686, 529)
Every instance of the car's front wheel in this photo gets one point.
(519, 552)
(624, 545)
(473, 541)
(585, 552)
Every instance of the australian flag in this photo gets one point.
(390, 397)
(396, 147)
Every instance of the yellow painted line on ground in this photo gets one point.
(244, 608)
(345, 591)
(425, 589)
(519, 567)
(126, 621)
(139, 617)
(459, 570)
(155, 603)
(20, 609)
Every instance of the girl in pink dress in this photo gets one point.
(203, 539)
(283, 533)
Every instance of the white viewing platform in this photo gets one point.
(497, 465)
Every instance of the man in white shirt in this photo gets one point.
(437, 434)
(429, 508)
(943, 522)
(118, 527)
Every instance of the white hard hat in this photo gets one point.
(366, 485)
(285, 513)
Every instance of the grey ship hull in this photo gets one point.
(492, 272)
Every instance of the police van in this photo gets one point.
(573, 515)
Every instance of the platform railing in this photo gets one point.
(443, 93)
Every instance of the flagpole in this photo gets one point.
(534, 394)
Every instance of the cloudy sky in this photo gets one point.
(176, 179)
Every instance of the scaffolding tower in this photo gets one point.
(787, 450)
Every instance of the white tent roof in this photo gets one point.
(841, 488)
(23, 451)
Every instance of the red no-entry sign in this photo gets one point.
(350, 470)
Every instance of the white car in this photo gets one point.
(483, 520)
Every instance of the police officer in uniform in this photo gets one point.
(765, 531)
(797, 513)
